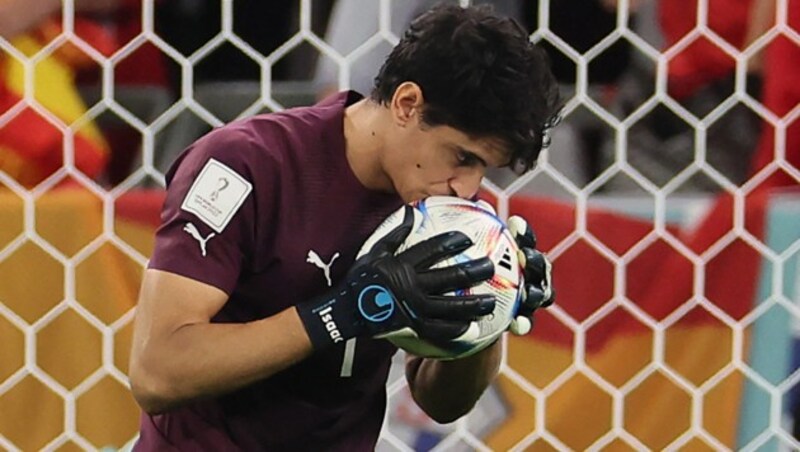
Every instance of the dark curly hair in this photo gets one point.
(480, 74)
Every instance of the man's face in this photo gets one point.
(427, 161)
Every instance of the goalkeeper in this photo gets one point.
(248, 334)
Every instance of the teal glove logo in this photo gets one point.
(375, 303)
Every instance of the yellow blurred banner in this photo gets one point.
(68, 334)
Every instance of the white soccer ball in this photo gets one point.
(491, 238)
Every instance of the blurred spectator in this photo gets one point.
(141, 86)
(264, 26)
(582, 25)
(227, 81)
(579, 23)
(353, 22)
(700, 77)
(31, 146)
(703, 62)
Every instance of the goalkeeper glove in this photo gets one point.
(384, 292)
(538, 291)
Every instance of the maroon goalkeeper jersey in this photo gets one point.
(268, 210)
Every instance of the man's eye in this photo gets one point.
(467, 159)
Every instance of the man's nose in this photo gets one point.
(466, 183)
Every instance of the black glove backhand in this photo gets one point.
(538, 291)
(384, 292)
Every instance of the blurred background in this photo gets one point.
(667, 202)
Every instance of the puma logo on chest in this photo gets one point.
(314, 259)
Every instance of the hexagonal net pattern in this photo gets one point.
(675, 254)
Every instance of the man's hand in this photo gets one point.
(384, 292)
(538, 291)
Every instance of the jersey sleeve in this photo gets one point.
(208, 223)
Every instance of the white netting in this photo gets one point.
(617, 371)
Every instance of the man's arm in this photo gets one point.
(447, 390)
(178, 355)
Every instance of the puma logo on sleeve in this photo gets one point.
(191, 229)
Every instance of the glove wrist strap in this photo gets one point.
(361, 307)
(328, 320)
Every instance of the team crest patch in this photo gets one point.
(216, 195)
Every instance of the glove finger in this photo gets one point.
(521, 231)
(521, 258)
(549, 298)
(389, 243)
(455, 277)
(459, 307)
(521, 325)
(534, 299)
(430, 251)
(545, 282)
(535, 264)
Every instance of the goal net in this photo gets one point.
(667, 203)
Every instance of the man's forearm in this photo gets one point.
(447, 390)
(206, 359)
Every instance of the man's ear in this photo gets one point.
(406, 104)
